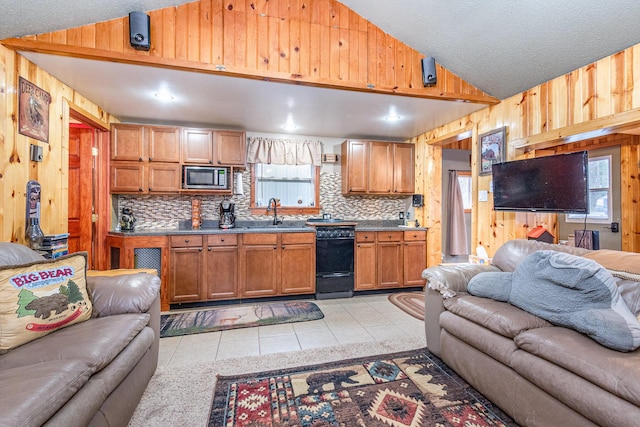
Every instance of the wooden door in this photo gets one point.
(403, 168)
(80, 209)
(380, 168)
(355, 165)
(197, 146)
(231, 148)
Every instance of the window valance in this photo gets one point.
(281, 151)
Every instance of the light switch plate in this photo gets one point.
(483, 196)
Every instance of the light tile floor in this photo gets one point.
(346, 320)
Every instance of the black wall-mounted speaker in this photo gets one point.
(139, 23)
(429, 77)
(417, 200)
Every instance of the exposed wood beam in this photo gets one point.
(614, 123)
(234, 71)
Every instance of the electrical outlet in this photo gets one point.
(401, 215)
(615, 227)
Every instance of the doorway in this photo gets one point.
(86, 205)
(458, 160)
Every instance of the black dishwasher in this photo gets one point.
(334, 261)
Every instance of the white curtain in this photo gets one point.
(456, 228)
(281, 151)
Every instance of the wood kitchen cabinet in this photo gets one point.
(365, 261)
(130, 252)
(277, 264)
(145, 159)
(186, 269)
(212, 147)
(389, 259)
(414, 257)
(221, 267)
(377, 168)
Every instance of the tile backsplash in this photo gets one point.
(168, 211)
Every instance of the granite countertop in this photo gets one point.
(299, 226)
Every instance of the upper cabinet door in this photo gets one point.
(231, 148)
(380, 167)
(403, 168)
(164, 144)
(197, 146)
(128, 142)
(355, 166)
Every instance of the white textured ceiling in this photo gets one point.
(500, 46)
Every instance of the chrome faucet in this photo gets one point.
(273, 201)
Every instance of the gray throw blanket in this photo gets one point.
(566, 290)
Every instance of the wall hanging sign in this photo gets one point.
(33, 105)
(492, 149)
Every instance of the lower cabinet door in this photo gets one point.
(260, 270)
(222, 272)
(186, 275)
(298, 269)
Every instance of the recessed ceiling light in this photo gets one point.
(289, 126)
(163, 96)
(392, 118)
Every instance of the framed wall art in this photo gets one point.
(33, 106)
(492, 149)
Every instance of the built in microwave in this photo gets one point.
(205, 178)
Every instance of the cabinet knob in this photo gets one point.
(282, 246)
(222, 240)
(210, 161)
(219, 162)
(200, 250)
(186, 240)
(366, 237)
(150, 189)
(140, 189)
(209, 249)
(139, 159)
(150, 159)
(275, 247)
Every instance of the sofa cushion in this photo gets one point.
(40, 297)
(566, 290)
(96, 342)
(499, 317)
(31, 396)
(616, 372)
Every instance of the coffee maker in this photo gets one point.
(227, 218)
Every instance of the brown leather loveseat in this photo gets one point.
(538, 373)
(93, 372)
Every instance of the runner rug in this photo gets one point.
(402, 389)
(237, 316)
(410, 302)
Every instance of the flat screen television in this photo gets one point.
(556, 183)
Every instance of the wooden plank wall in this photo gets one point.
(317, 42)
(606, 88)
(16, 168)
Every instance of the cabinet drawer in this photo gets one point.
(186, 241)
(365, 236)
(222, 240)
(293, 238)
(390, 236)
(414, 236)
(259, 239)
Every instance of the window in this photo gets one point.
(464, 181)
(599, 192)
(295, 185)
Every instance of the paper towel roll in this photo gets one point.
(237, 188)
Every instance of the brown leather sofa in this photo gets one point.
(91, 373)
(539, 374)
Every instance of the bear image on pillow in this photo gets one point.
(566, 290)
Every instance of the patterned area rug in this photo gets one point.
(409, 302)
(403, 389)
(237, 316)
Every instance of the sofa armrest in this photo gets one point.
(119, 294)
(452, 279)
(444, 281)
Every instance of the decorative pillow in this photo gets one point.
(40, 297)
